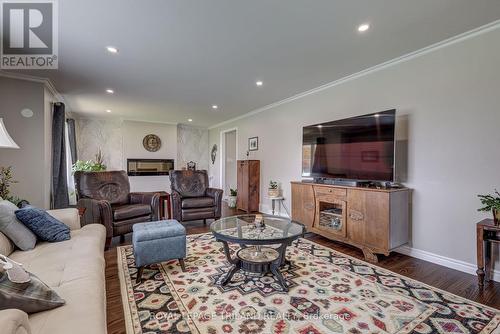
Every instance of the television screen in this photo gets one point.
(358, 148)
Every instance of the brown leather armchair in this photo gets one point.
(192, 199)
(107, 199)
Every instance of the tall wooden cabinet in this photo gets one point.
(248, 180)
(375, 220)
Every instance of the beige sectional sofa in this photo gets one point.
(75, 270)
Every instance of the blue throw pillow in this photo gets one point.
(46, 227)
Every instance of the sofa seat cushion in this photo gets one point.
(75, 270)
(58, 263)
(131, 211)
(197, 202)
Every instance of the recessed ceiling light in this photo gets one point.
(320, 126)
(376, 115)
(108, 110)
(363, 27)
(215, 106)
(190, 119)
(259, 83)
(110, 91)
(112, 49)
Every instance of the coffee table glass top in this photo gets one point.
(257, 227)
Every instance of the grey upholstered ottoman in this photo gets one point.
(158, 241)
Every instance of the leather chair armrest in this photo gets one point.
(91, 211)
(106, 214)
(14, 321)
(216, 194)
(176, 199)
(150, 198)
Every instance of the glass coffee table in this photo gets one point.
(262, 239)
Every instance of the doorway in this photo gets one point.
(229, 156)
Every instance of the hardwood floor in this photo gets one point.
(451, 280)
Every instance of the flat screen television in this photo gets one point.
(356, 148)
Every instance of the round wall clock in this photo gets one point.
(152, 143)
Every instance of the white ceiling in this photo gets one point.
(179, 57)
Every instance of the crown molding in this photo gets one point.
(45, 81)
(401, 59)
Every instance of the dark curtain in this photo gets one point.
(60, 197)
(72, 139)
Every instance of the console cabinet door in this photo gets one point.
(303, 204)
(377, 220)
(356, 213)
(368, 218)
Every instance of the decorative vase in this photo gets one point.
(273, 192)
(496, 216)
(231, 201)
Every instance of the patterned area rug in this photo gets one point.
(329, 293)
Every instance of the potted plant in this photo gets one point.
(491, 203)
(96, 165)
(231, 199)
(273, 190)
(6, 180)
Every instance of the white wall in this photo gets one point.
(94, 134)
(121, 140)
(230, 158)
(449, 100)
(133, 134)
(192, 145)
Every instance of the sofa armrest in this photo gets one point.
(13, 321)
(150, 198)
(69, 217)
(216, 194)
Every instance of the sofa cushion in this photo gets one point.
(45, 226)
(6, 246)
(30, 297)
(75, 270)
(20, 235)
(197, 202)
(131, 211)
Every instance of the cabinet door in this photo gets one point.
(242, 182)
(356, 216)
(303, 204)
(377, 220)
(368, 218)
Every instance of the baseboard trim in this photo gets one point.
(459, 265)
(444, 261)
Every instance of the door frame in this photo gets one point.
(222, 169)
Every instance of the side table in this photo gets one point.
(165, 206)
(487, 237)
(281, 203)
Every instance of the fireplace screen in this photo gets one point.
(141, 167)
